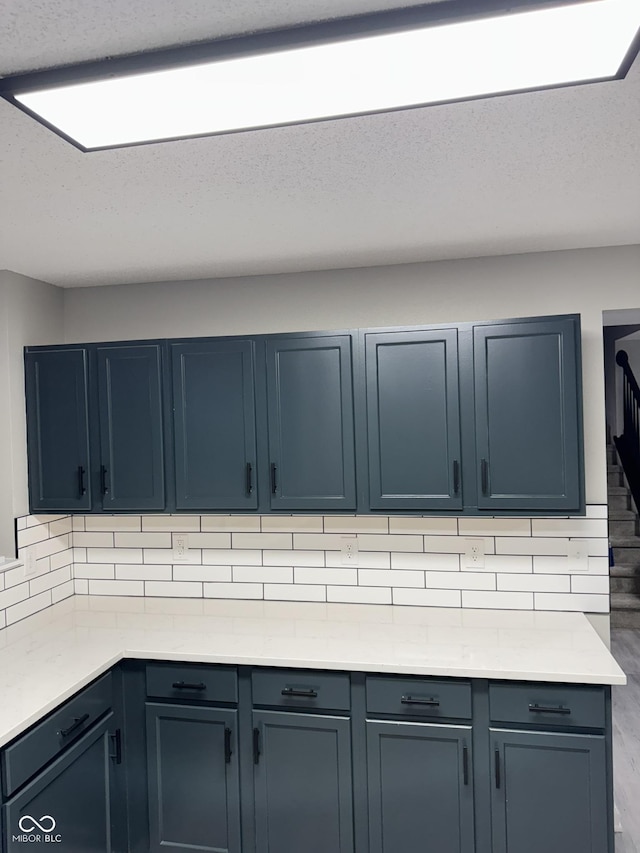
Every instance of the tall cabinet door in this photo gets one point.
(413, 420)
(549, 793)
(214, 423)
(58, 429)
(420, 788)
(131, 427)
(527, 415)
(303, 793)
(194, 800)
(310, 413)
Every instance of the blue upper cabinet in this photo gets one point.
(310, 423)
(413, 420)
(528, 415)
(131, 475)
(214, 425)
(58, 429)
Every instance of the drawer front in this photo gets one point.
(296, 688)
(552, 704)
(24, 758)
(205, 683)
(418, 697)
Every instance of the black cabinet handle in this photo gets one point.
(546, 709)
(248, 484)
(82, 489)
(75, 725)
(484, 476)
(256, 746)
(304, 692)
(497, 768)
(465, 764)
(116, 739)
(420, 700)
(274, 480)
(227, 746)
(104, 480)
(456, 477)
(185, 685)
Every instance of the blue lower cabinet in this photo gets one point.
(193, 779)
(420, 788)
(72, 805)
(303, 787)
(549, 792)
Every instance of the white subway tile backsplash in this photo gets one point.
(128, 539)
(454, 544)
(28, 607)
(572, 527)
(216, 574)
(598, 584)
(506, 563)
(209, 540)
(460, 580)
(81, 587)
(494, 527)
(62, 558)
(392, 542)
(100, 571)
(113, 587)
(230, 523)
(13, 595)
(433, 562)
(103, 539)
(177, 589)
(291, 524)
(31, 535)
(115, 555)
(359, 594)
(584, 603)
(229, 556)
(49, 580)
(427, 597)
(170, 523)
(597, 511)
(292, 592)
(293, 558)
(356, 524)
(61, 526)
(263, 574)
(366, 559)
(77, 523)
(390, 577)
(424, 526)
(534, 583)
(233, 590)
(59, 593)
(497, 600)
(344, 576)
(165, 555)
(317, 541)
(113, 522)
(140, 572)
(532, 545)
(273, 541)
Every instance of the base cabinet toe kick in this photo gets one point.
(158, 756)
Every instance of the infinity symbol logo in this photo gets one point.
(45, 824)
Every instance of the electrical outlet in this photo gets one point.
(474, 553)
(29, 563)
(578, 555)
(349, 551)
(180, 547)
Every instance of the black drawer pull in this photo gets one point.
(456, 476)
(497, 767)
(75, 725)
(546, 709)
(104, 480)
(465, 764)
(116, 740)
(82, 489)
(274, 479)
(484, 474)
(256, 746)
(248, 485)
(304, 692)
(420, 700)
(185, 685)
(227, 746)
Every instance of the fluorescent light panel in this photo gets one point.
(546, 47)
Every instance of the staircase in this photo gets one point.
(624, 530)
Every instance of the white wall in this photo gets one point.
(31, 312)
(581, 281)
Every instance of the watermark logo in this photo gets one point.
(37, 830)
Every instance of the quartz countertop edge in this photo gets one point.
(48, 657)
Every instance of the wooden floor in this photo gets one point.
(625, 645)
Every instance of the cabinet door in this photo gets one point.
(549, 793)
(194, 799)
(69, 805)
(58, 429)
(527, 415)
(420, 788)
(310, 412)
(131, 434)
(214, 422)
(303, 795)
(413, 420)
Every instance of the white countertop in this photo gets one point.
(48, 657)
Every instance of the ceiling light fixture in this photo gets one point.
(370, 64)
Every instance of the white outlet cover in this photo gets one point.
(180, 547)
(578, 555)
(349, 551)
(474, 553)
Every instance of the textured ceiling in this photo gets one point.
(519, 173)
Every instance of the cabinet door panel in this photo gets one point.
(72, 799)
(527, 416)
(131, 433)
(303, 784)
(58, 429)
(420, 788)
(214, 417)
(194, 800)
(413, 420)
(310, 411)
(549, 793)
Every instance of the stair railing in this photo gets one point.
(628, 444)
